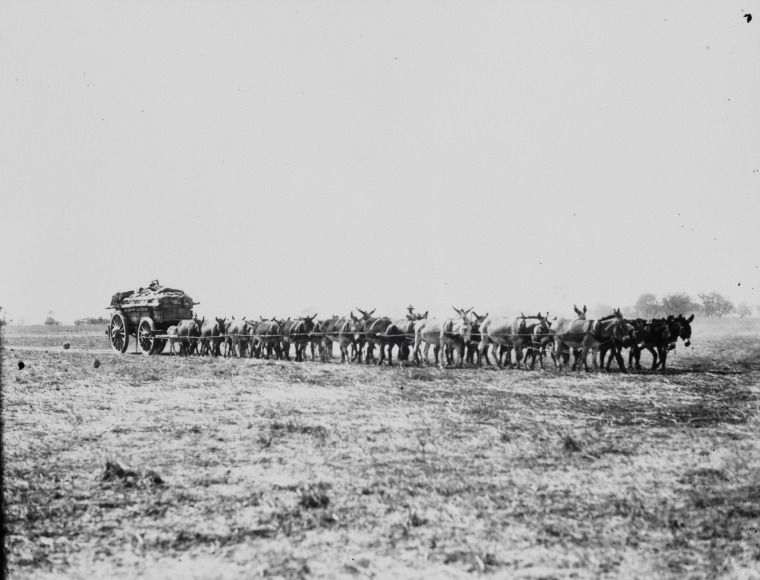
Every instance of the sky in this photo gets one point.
(280, 158)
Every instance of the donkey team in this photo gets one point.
(466, 337)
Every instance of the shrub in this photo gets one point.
(50, 320)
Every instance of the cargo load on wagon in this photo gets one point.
(154, 295)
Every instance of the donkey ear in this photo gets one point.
(584, 309)
(690, 318)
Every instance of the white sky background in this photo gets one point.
(275, 157)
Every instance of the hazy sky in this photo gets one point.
(276, 157)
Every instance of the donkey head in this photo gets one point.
(367, 315)
(462, 312)
(308, 323)
(543, 322)
(581, 315)
(685, 328)
(479, 319)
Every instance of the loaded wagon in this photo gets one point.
(146, 314)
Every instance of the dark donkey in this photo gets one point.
(614, 345)
(541, 342)
(384, 332)
(475, 338)
(297, 332)
(522, 333)
(659, 336)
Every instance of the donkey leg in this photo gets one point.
(663, 357)
(654, 357)
(619, 358)
(518, 353)
(482, 348)
(559, 350)
(584, 358)
(486, 355)
(461, 348)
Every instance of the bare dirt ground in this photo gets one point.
(164, 467)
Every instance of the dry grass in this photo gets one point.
(168, 467)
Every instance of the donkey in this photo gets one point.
(266, 335)
(429, 332)
(659, 336)
(522, 334)
(455, 334)
(236, 338)
(297, 332)
(384, 332)
(402, 329)
(342, 330)
(530, 332)
(212, 332)
(496, 330)
(188, 331)
(588, 335)
(173, 339)
(541, 341)
(626, 339)
(475, 338)
(364, 340)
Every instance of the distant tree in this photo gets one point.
(744, 310)
(90, 321)
(50, 320)
(679, 303)
(715, 304)
(2, 317)
(647, 306)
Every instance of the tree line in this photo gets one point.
(710, 305)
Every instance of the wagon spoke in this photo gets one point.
(118, 332)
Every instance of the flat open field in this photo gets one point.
(245, 468)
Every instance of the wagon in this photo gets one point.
(146, 314)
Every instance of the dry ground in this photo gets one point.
(200, 468)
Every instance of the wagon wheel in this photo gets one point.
(118, 332)
(145, 339)
(159, 345)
